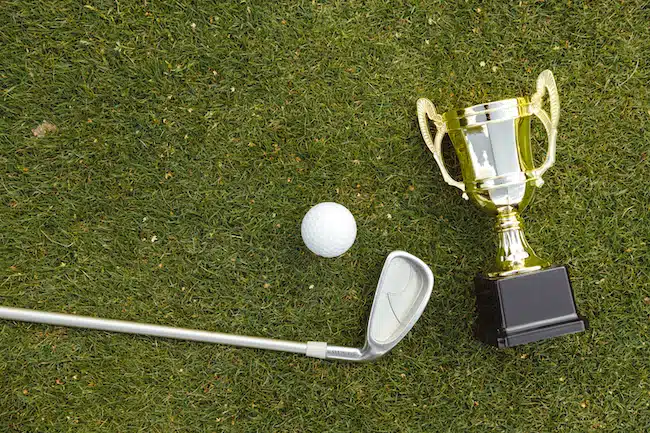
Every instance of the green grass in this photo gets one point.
(214, 127)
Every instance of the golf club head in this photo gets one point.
(402, 293)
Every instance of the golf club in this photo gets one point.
(402, 293)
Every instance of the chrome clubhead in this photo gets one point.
(402, 293)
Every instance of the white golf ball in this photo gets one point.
(328, 229)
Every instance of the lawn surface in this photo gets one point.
(192, 137)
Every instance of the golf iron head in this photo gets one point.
(402, 294)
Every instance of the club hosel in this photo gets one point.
(354, 354)
(344, 353)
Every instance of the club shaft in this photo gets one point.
(71, 320)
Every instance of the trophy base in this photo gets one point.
(527, 307)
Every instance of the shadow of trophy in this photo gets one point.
(521, 298)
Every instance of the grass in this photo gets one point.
(192, 137)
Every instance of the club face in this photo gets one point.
(403, 292)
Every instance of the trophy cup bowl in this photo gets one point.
(521, 298)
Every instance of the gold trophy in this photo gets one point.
(521, 298)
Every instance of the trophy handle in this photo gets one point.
(426, 110)
(546, 84)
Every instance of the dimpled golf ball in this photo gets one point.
(328, 229)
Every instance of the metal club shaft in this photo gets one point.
(59, 319)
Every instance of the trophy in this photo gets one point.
(522, 298)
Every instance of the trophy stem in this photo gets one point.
(514, 255)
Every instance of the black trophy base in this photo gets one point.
(524, 308)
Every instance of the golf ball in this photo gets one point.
(328, 229)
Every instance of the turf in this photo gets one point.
(192, 137)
